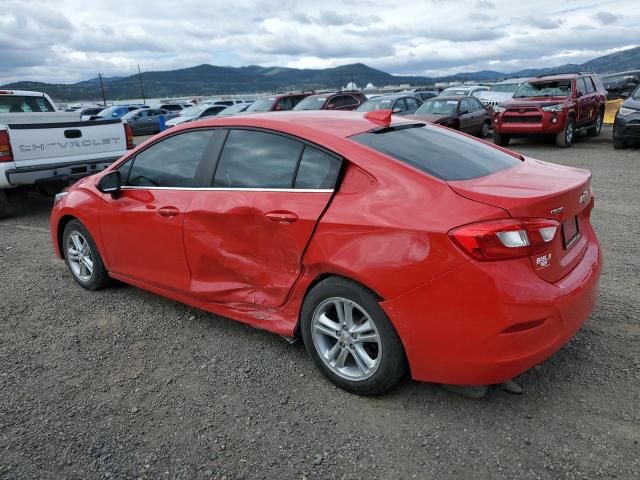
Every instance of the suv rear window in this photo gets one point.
(446, 155)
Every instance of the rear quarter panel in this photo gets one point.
(387, 226)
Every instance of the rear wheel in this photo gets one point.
(595, 129)
(500, 139)
(82, 257)
(564, 138)
(484, 131)
(4, 204)
(350, 338)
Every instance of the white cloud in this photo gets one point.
(80, 38)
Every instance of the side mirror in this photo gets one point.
(111, 183)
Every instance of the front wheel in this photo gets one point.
(564, 138)
(500, 139)
(350, 338)
(82, 257)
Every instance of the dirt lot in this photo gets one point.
(122, 384)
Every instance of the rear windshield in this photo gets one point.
(24, 104)
(444, 154)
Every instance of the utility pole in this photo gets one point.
(340, 80)
(141, 84)
(104, 100)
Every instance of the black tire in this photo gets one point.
(594, 130)
(391, 366)
(500, 139)
(564, 139)
(619, 144)
(98, 278)
(484, 131)
(4, 204)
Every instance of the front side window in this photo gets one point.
(438, 152)
(344, 101)
(399, 106)
(171, 162)
(252, 159)
(412, 103)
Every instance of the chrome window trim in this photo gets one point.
(289, 190)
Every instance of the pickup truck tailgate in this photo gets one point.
(51, 143)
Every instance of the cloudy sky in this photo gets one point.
(72, 40)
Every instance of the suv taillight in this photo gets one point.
(129, 134)
(505, 239)
(6, 155)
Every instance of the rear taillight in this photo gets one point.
(129, 134)
(6, 155)
(505, 239)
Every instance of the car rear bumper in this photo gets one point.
(485, 323)
(13, 176)
(626, 128)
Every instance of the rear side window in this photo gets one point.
(171, 162)
(252, 159)
(589, 83)
(24, 104)
(445, 155)
(317, 170)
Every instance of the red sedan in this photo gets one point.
(388, 245)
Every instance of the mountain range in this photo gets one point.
(210, 80)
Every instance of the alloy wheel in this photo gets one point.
(346, 339)
(79, 255)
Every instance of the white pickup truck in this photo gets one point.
(44, 148)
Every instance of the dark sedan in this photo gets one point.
(146, 121)
(332, 101)
(398, 104)
(626, 128)
(466, 114)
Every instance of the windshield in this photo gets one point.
(505, 87)
(438, 107)
(549, 88)
(111, 112)
(311, 103)
(262, 105)
(379, 103)
(455, 91)
(234, 108)
(193, 112)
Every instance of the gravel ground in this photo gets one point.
(125, 384)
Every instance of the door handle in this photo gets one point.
(168, 212)
(281, 216)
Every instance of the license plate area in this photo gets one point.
(570, 231)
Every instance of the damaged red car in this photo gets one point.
(389, 245)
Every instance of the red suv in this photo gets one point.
(332, 101)
(277, 103)
(559, 105)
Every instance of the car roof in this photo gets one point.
(558, 76)
(305, 123)
(457, 98)
(394, 96)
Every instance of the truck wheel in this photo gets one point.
(594, 130)
(564, 138)
(4, 204)
(500, 139)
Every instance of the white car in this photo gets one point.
(463, 91)
(195, 113)
(500, 92)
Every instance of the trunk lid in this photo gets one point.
(537, 189)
